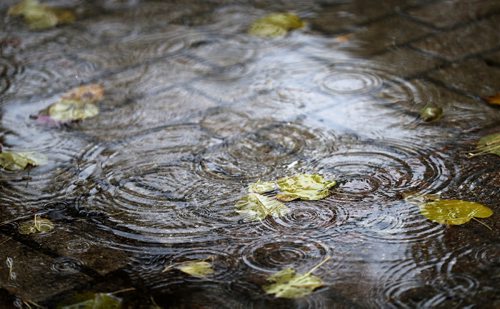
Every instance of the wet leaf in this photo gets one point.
(287, 284)
(258, 206)
(17, 161)
(39, 16)
(37, 225)
(488, 144)
(454, 212)
(431, 113)
(100, 301)
(304, 187)
(493, 100)
(199, 269)
(275, 25)
(262, 186)
(92, 93)
(69, 110)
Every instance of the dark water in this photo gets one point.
(195, 110)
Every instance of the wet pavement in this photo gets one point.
(196, 109)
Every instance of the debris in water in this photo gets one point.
(288, 284)
(275, 25)
(39, 16)
(455, 212)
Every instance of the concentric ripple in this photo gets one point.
(254, 155)
(276, 253)
(371, 170)
(318, 219)
(363, 78)
(145, 186)
(398, 223)
(151, 269)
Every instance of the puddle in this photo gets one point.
(195, 109)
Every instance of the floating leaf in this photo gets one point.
(38, 225)
(493, 100)
(69, 110)
(454, 212)
(262, 186)
(39, 16)
(16, 161)
(431, 113)
(488, 144)
(258, 206)
(305, 187)
(287, 284)
(275, 25)
(92, 93)
(199, 269)
(100, 301)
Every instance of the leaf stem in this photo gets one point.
(318, 266)
(486, 225)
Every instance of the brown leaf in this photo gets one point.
(89, 93)
(493, 100)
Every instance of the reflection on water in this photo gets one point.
(195, 110)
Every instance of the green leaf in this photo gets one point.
(69, 110)
(488, 144)
(39, 16)
(431, 113)
(454, 212)
(275, 25)
(100, 301)
(287, 284)
(38, 225)
(17, 161)
(199, 269)
(305, 187)
(262, 187)
(258, 206)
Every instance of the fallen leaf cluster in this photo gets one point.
(76, 104)
(257, 206)
(39, 16)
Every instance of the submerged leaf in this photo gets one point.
(199, 269)
(39, 16)
(100, 301)
(488, 144)
(92, 93)
(38, 225)
(258, 206)
(287, 284)
(68, 110)
(431, 113)
(305, 187)
(493, 100)
(262, 186)
(275, 25)
(16, 161)
(454, 212)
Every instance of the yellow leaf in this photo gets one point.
(258, 206)
(275, 25)
(488, 144)
(262, 187)
(199, 269)
(39, 16)
(304, 186)
(16, 161)
(454, 212)
(68, 110)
